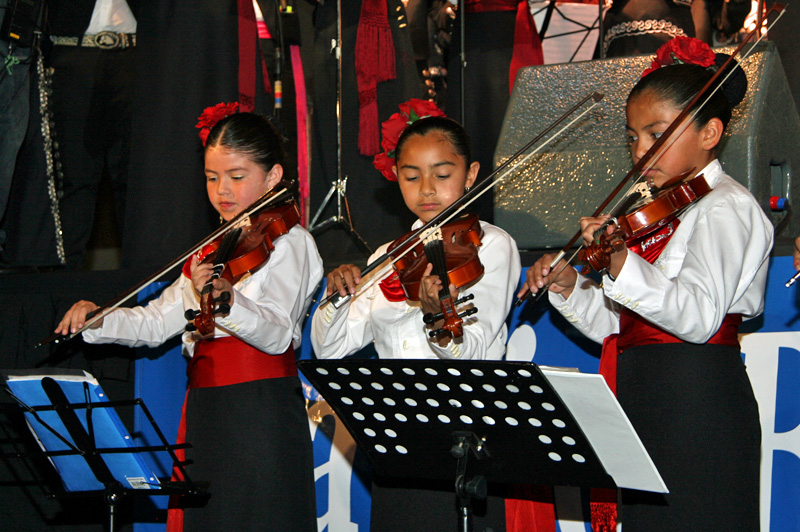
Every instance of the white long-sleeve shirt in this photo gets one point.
(397, 327)
(267, 312)
(715, 264)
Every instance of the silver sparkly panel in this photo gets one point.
(540, 203)
(45, 86)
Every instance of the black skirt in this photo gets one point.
(695, 412)
(251, 441)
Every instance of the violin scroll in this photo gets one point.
(453, 321)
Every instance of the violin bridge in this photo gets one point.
(430, 235)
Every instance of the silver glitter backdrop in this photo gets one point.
(539, 203)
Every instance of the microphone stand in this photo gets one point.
(338, 187)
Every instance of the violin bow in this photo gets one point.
(451, 211)
(664, 142)
(279, 191)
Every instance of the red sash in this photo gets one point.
(392, 288)
(222, 362)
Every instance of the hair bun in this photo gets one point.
(734, 87)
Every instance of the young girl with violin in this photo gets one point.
(670, 304)
(244, 414)
(433, 167)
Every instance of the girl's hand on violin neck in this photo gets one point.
(589, 228)
(561, 278)
(429, 288)
(222, 285)
(76, 317)
(201, 273)
(344, 280)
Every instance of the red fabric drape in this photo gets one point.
(248, 41)
(375, 63)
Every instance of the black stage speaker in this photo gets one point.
(540, 203)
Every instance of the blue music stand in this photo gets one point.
(81, 434)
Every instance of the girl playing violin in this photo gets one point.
(433, 167)
(669, 308)
(244, 413)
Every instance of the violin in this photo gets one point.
(240, 251)
(657, 212)
(452, 249)
(279, 192)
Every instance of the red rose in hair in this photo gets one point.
(391, 129)
(212, 115)
(385, 164)
(415, 109)
(682, 50)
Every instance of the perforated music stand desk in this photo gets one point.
(81, 434)
(564, 428)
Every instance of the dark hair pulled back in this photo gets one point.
(251, 134)
(679, 83)
(452, 131)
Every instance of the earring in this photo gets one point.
(466, 190)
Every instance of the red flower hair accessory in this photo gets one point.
(391, 129)
(681, 50)
(212, 115)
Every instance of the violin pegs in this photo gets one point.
(468, 312)
(223, 297)
(191, 314)
(430, 317)
(224, 308)
(464, 299)
(190, 327)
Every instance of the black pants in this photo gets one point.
(92, 96)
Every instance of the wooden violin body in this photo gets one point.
(461, 238)
(661, 210)
(452, 249)
(251, 250)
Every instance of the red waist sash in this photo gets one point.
(228, 360)
(635, 331)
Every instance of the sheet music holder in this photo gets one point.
(81, 434)
(518, 424)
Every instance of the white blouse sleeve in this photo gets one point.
(269, 306)
(336, 333)
(723, 270)
(149, 325)
(588, 309)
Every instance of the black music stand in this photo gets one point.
(81, 434)
(505, 422)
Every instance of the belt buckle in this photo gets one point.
(107, 40)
